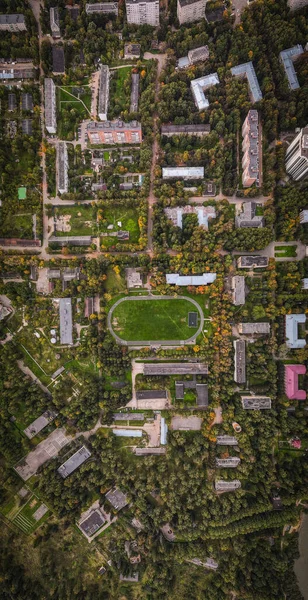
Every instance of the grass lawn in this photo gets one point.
(121, 76)
(22, 515)
(19, 225)
(153, 320)
(78, 100)
(114, 283)
(41, 351)
(285, 251)
(128, 217)
(82, 221)
(106, 155)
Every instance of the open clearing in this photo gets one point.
(152, 319)
(128, 217)
(75, 220)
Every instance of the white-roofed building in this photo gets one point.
(183, 280)
(183, 172)
(305, 283)
(227, 486)
(292, 323)
(226, 463)
(303, 216)
(198, 87)
(256, 402)
(204, 213)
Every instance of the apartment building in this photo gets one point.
(199, 86)
(50, 105)
(103, 97)
(189, 11)
(252, 153)
(194, 56)
(12, 23)
(246, 70)
(114, 132)
(142, 12)
(297, 156)
(287, 58)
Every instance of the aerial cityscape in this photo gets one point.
(154, 300)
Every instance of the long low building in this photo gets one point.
(185, 280)
(66, 321)
(254, 328)
(192, 368)
(183, 172)
(106, 8)
(192, 130)
(127, 416)
(252, 262)
(127, 433)
(40, 423)
(226, 440)
(148, 451)
(114, 132)
(256, 402)
(71, 240)
(194, 56)
(204, 213)
(13, 23)
(226, 463)
(134, 95)
(151, 395)
(74, 461)
(239, 361)
(62, 168)
(50, 105)
(227, 486)
(103, 92)
(238, 290)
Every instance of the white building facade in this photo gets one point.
(297, 156)
(142, 12)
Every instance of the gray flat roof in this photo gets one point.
(72, 463)
(128, 416)
(117, 498)
(248, 70)
(92, 523)
(185, 129)
(287, 57)
(43, 452)
(66, 321)
(175, 368)
(11, 19)
(40, 423)
(151, 394)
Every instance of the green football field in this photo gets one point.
(153, 320)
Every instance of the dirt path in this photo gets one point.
(161, 60)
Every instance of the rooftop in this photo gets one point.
(192, 368)
(252, 261)
(227, 486)
(151, 394)
(183, 172)
(226, 440)
(127, 432)
(92, 523)
(251, 328)
(72, 463)
(184, 280)
(117, 498)
(185, 129)
(287, 58)
(12, 19)
(247, 69)
(248, 216)
(47, 417)
(292, 323)
(239, 361)
(66, 322)
(58, 61)
(198, 87)
(256, 402)
(238, 287)
(113, 125)
(292, 373)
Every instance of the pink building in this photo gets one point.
(291, 382)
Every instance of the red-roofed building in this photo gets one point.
(291, 382)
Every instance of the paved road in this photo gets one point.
(143, 343)
(231, 199)
(269, 251)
